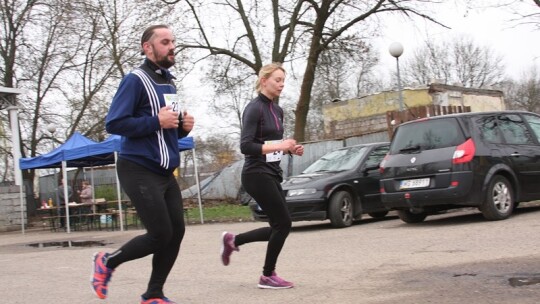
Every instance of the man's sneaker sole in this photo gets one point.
(94, 291)
(94, 258)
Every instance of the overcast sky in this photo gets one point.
(492, 27)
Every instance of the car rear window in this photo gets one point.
(427, 135)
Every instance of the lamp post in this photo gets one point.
(396, 49)
(51, 128)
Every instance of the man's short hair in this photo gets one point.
(149, 32)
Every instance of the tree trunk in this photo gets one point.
(302, 107)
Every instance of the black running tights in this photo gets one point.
(158, 202)
(267, 192)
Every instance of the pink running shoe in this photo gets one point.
(227, 247)
(101, 275)
(156, 301)
(274, 282)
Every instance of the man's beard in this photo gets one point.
(165, 62)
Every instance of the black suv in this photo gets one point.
(489, 160)
(340, 186)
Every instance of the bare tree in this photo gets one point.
(458, 61)
(366, 82)
(526, 12)
(219, 152)
(26, 52)
(342, 73)
(69, 56)
(432, 62)
(284, 28)
(109, 34)
(524, 94)
(476, 66)
(15, 17)
(234, 87)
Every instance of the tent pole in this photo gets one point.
(118, 193)
(93, 189)
(66, 198)
(198, 185)
(22, 206)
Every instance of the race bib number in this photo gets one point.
(273, 156)
(173, 100)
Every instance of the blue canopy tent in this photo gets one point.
(102, 153)
(54, 158)
(57, 159)
(79, 151)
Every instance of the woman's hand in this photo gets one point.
(288, 145)
(298, 150)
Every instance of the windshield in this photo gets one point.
(339, 160)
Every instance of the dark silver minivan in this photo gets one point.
(489, 160)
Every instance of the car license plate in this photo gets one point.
(414, 183)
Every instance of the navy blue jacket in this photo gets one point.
(133, 114)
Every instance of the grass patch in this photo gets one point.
(220, 213)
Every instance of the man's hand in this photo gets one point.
(187, 121)
(167, 118)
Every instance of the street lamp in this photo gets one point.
(396, 49)
(51, 128)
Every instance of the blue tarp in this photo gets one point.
(186, 143)
(54, 158)
(79, 151)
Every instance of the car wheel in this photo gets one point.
(379, 214)
(341, 209)
(499, 201)
(408, 217)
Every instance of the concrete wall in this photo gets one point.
(480, 100)
(10, 209)
(367, 114)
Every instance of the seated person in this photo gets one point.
(86, 196)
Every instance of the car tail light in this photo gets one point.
(383, 162)
(464, 153)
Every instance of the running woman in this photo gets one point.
(263, 145)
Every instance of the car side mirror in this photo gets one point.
(371, 167)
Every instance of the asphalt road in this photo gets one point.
(453, 258)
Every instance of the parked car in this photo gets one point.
(489, 160)
(340, 186)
